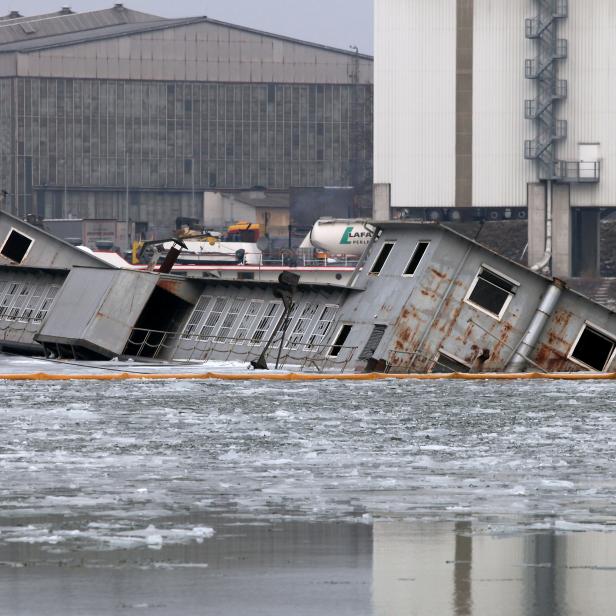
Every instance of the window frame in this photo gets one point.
(505, 305)
(600, 331)
(408, 263)
(441, 352)
(6, 239)
(371, 271)
(340, 347)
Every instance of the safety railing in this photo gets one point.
(19, 330)
(578, 171)
(180, 347)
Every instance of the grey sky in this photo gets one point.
(340, 23)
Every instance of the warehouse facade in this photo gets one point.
(120, 114)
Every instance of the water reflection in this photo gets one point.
(452, 568)
(299, 568)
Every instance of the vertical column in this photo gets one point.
(536, 221)
(464, 103)
(381, 202)
(561, 231)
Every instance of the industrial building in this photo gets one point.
(483, 103)
(117, 114)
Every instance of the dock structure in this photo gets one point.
(422, 299)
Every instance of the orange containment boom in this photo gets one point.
(268, 376)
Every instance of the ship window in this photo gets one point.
(446, 363)
(593, 349)
(265, 323)
(417, 256)
(341, 338)
(247, 320)
(321, 328)
(196, 317)
(380, 260)
(491, 292)
(16, 246)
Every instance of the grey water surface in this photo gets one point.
(384, 498)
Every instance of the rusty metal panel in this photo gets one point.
(428, 313)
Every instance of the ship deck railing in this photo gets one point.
(179, 346)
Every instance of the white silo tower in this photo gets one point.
(490, 103)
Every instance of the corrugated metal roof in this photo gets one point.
(95, 34)
(53, 24)
(93, 28)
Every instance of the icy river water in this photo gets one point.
(375, 498)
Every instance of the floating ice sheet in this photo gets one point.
(124, 456)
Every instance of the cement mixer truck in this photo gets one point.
(340, 237)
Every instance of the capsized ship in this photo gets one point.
(422, 298)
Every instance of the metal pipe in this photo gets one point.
(544, 262)
(544, 312)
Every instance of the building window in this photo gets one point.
(491, 292)
(16, 246)
(416, 257)
(341, 338)
(379, 262)
(593, 348)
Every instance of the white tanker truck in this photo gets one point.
(340, 237)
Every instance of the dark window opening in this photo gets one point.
(374, 340)
(593, 349)
(16, 246)
(445, 364)
(271, 93)
(341, 338)
(160, 317)
(420, 251)
(380, 260)
(491, 292)
(188, 166)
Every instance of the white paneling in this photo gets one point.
(500, 172)
(591, 105)
(414, 106)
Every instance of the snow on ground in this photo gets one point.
(112, 464)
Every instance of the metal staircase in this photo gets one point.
(543, 69)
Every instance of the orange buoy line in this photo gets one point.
(265, 376)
